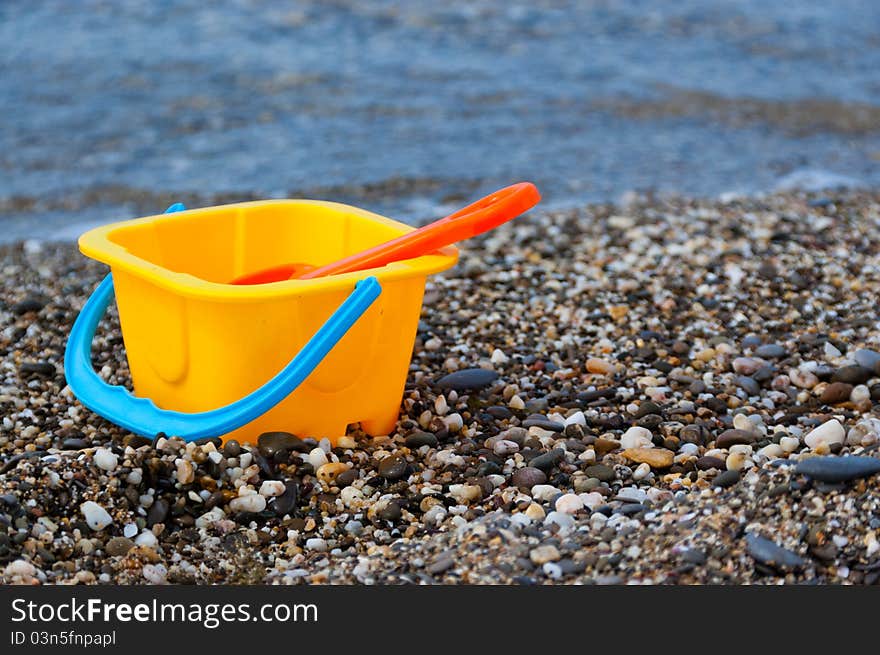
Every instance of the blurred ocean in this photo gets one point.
(114, 109)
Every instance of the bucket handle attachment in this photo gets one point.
(141, 416)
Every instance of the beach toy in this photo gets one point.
(211, 358)
(478, 217)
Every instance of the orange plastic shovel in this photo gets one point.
(481, 216)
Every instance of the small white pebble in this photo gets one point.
(271, 488)
(96, 516)
(317, 458)
(106, 459)
(252, 503)
(569, 504)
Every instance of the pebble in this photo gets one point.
(328, 473)
(769, 553)
(708, 462)
(771, 351)
(789, 444)
(600, 472)
(636, 437)
(838, 469)
(96, 516)
(726, 479)
(469, 379)
(561, 520)
(317, 544)
(548, 460)
(270, 443)
(21, 568)
(642, 472)
(749, 385)
(544, 492)
(185, 472)
(836, 392)
(869, 359)
(155, 573)
(106, 459)
(157, 512)
(830, 432)
(656, 458)
(271, 488)
(535, 512)
(146, 538)
(864, 433)
(287, 501)
(119, 546)
(465, 493)
(317, 458)
(734, 437)
(803, 379)
(599, 366)
(393, 467)
(251, 503)
(569, 504)
(632, 495)
(854, 374)
(505, 447)
(542, 554)
(417, 439)
(747, 365)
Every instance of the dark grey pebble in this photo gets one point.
(13, 461)
(854, 374)
(751, 341)
(726, 479)
(694, 556)
(869, 359)
(528, 477)
(417, 439)
(838, 469)
(38, 368)
(346, 477)
(73, 444)
(270, 443)
(646, 408)
(441, 564)
(287, 501)
(767, 552)
(158, 512)
(748, 385)
(231, 448)
(136, 441)
(390, 512)
(771, 351)
(393, 467)
(628, 509)
(469, 379)
(707, 462)
(27, 305)
(734, 437)
(600, 472)
(499, 412)
(544, 423)
(547, 461)
(9, 500)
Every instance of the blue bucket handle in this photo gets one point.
(141, 416)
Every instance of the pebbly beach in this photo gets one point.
(666, 390)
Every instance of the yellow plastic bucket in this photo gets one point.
(194, 342)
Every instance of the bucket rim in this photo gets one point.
(98, 244)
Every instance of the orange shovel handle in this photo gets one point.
(478, 217)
